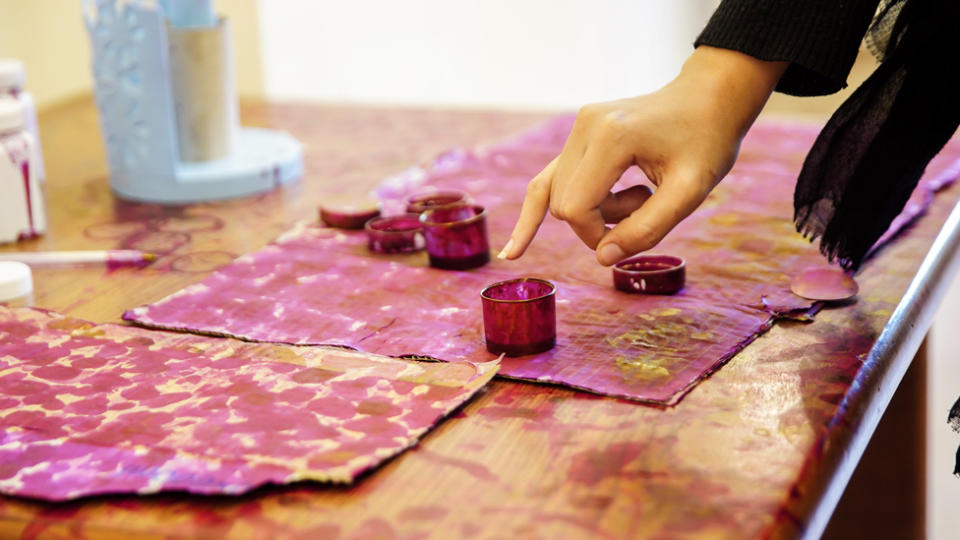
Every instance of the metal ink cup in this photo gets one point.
(456, 236)
(650, 274)
(348, 213)
(395, 234)
(421, 202)
(520, 316)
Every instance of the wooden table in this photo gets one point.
(758, 449)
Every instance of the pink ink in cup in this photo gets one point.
(395, 234)
(456, 236)
(520, 316)
(650, 274)
(421, 202)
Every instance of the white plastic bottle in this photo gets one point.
(22, 212)
(16, 284)
(12, 78)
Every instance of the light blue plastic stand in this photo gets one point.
(131, 70)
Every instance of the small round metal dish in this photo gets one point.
(650, 274)
(348, 213)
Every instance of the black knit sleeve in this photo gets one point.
(819, 38)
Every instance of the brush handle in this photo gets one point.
(117, 257)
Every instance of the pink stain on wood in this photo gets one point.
(424, 513)
(25, 172)
(615, 461)
(474, 469)
(202, 261)
(161, 230)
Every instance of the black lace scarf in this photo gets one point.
(869, 157)
(954, 420)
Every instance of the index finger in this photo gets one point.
(534, 209)
(581, 198)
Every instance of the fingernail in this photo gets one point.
(610, 253)
(506, 250)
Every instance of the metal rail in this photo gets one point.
(888, 360)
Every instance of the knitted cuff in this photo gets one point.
(819, 38)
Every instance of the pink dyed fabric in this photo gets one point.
(88, 409)
(323, 286)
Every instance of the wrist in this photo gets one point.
(732, 82)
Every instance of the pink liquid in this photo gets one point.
(25, 170)
(395, 234)
(650, 274)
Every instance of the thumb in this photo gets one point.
(646, 226)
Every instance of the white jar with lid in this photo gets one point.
(22, 212)
(16, 284)
(12, 78)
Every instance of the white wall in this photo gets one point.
(530, 54)
(50, 38)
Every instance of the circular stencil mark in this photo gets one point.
(113, 231)
(824, 284)
(158, 242)
(202, 261)
(187, 223)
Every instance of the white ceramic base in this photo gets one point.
(263, 160)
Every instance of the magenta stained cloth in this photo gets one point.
(89, 409)
(322, 286)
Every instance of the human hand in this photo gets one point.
(684, 137)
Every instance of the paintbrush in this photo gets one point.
(112, 257)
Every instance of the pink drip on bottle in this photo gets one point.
(24, 162)
(25, 169)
